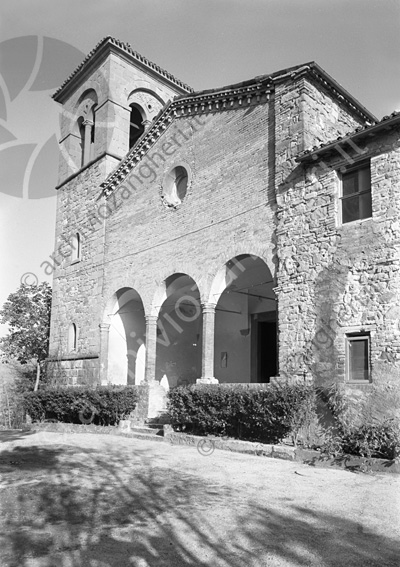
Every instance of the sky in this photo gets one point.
(205, 43)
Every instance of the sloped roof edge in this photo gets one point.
(212, 96)
(128, 50)
(359, 132)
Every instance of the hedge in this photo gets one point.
(105, 405)
(267, 415)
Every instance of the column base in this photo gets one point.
(204, 380)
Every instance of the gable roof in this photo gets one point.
(369, 130)
(109, 44)
(226, 97)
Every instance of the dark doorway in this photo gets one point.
(264, 347)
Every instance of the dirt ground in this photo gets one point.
(69, 500)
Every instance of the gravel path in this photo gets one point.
(71, 500)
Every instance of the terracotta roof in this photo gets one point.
(221, 98)
(126, 48)
(361, 131)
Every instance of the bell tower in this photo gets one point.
(108, 102)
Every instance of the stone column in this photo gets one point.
(147, 124)
(88, 124)
(104, 335)
(207, 352)
(151, 346)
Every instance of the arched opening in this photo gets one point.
(127, 337)
(76, 247)
(175, 186)
(179, 332)
(245, 321)
(82, 135)
(136, 126)
(72, 337)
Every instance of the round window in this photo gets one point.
(175, 186)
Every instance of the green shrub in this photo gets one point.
(266, 415)
(355, 432)
(104, 405)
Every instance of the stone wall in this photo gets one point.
(73, 370)
(335, 279)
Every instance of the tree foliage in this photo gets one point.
(27, 314)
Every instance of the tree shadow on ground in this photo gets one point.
(8, 435)
(119, 510)
(28, 459)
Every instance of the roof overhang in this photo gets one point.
(104, 48)
(387, 123)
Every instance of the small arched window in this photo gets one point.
(76, 247)
(86, 133)
(82, 139)
(136, 126)
(72, 337)
(175, 186)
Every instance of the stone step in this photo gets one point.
(145, 436)
(154, 431)
(154, 426)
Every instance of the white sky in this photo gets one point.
(205, 43)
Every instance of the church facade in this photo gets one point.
(242, 234)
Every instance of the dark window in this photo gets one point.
(72, 337)
(357, 357)
(136, 128)
(82, 140)
(356, 194)
(76, 247)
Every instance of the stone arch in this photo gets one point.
(85, 124)
(179, 329)
(234, 251)
(144, 90)
(85, 104)
(245, 328)
(164, 288)
(125, 316)
(148, 102)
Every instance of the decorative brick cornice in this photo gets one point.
(124, 48)
(254, 91)
(195, 105)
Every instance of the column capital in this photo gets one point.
(88, 122)
(151, 319)
(104, 327)
(208, 307)
(147, 124)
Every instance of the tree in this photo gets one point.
(27, 313)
